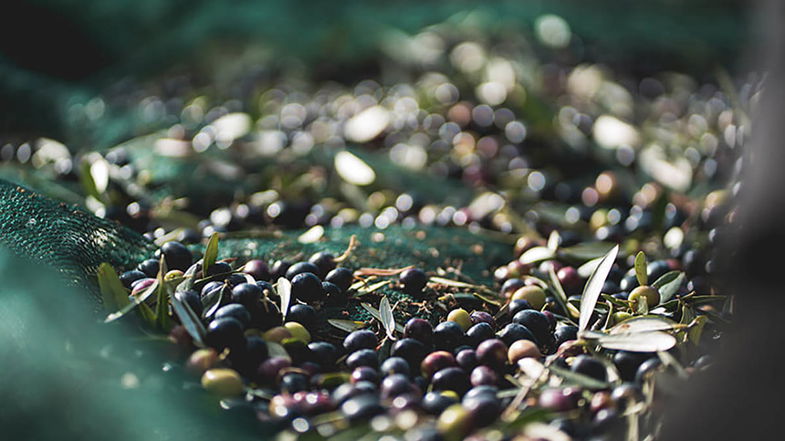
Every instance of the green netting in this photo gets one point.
(75, 242)
(65, 237)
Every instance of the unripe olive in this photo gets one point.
(201, 360)
(651, 294)
(454, 423)
(298, 331)
(277, 334)
(532, 294)
(222, 382)
(461, 317)
(522, 349)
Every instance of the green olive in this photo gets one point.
(461, 317)
(298, 331)
(532, 294)
(649, 293)
(222, 382)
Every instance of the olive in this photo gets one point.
(565, 425)
(514, 332)
(334, 295)
(277, 334)
(258, 269)
(324, 261)
(235, 311)
(360, 339)
(298, 331)
(516, 306)
(536, 322)
(411, 350)
(314, 403)
(150, 267)
(626, 394)
(293, 382)
(236, 279)
(210, 287)
(301, 268)
(362, 407)
(395, 365)
(221, 268)
(419, 329)
(129, 277)
(569, 279)
(483, 375)
(246, 294)
(482, 317)
(478, 333)
(325, 353)
(225, 332)
(629, 281)
(492, 353)
(434, 403)
(451, 378)
(222, 382)
(193, 299)
(279, 268)
(413, 281)
(436, 361)
(532, 294)
(349, 390)
(483, 409)
(522, 349)
(627, 363)
(306, 287)
(447, 335)
(461, 317)
(177, 255)
(607, 422)
(396, 384)
(407, 401)
(303, 314)
(269, 369)
(340, 277)
(557, 400)
(255, 352)
(647, 369)
(201, 360)
(363, 357)
(511, 285)
(657, 269)
(565, 333)
(467, 359)
(586, 365)
(454, 422)
(649, 293)
(364, 373)
(600, 400)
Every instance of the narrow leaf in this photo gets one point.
(537, 254)
(586, 251)
(284, 290)
(189, 319)
(213, 300)
(642, 324)
(579, 379)
(210, 253)
(696, 329)
(593, 288)
(587, 268)
(375, 313)
(559, 294)
(137, 301)
(641, 268)
(638, 342)
(553, 240)
(387, 318)
(188, 279)
(668, 284)
(346, 325)
(114, 294)
(162, 299)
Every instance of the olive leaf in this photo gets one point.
(653, 341)
(586, 251)
(162, 299)
(537, 254)
(579, 379)
(668, 284)
(641, 268)
(642, 324)
(138, 301)
(696, 329)
(189, 319)
(377, 315)
(346, 325)
(212, 300)
(284, 290)
(387, 318)
(553, 241)
(587, 268)
(559, 294)
(591, 291)
(210, 253)
(114, 294)
(188, 279)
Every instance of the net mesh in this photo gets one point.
(75, 242)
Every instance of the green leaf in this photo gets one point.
(375, 313)
(587, 268)
(642, 324)
(346, 325)
(284, 290)
(558, 291)
(189, 319)
(696, 329)
(138, 301)
(162, 299)
(114, 294)
(641, 268)
(586, 251)
(638, 342)
(387, 318)
(593, 288)
(668, 284)
(212, 300)
(579, 379)
(188, 279)
(537, 254)
(210, 254)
